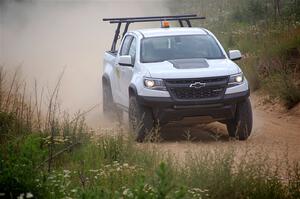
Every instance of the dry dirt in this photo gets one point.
(276, 131)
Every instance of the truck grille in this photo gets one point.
(196, 89)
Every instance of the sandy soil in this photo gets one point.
(276, 132)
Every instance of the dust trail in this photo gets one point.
(44, 37)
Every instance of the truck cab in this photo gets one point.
(175, 74)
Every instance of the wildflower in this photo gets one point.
(29, 195)
(147, 188)
(93, 170)
(21, 196)
(66, 171)
(102, 173)
(74, 190)
(66, 176)
(127, 192)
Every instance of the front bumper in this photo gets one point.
(165, 109)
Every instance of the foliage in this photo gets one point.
(18, 166)
(209, 173)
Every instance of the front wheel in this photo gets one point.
(240, 126)
(141, 120)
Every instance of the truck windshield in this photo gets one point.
(158, 49)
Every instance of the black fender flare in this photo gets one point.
(105, 79)
(132, 91)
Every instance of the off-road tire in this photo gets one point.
(240, 126)
(110, 109)
(141, 120)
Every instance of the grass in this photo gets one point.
(115, 167)
(29, 142)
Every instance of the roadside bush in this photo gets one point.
(250, 11)
(18, 167)
(6, 123)
(283, 86)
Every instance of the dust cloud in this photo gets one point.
(46, 37)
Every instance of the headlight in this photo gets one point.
(154, 84)
(236, 79)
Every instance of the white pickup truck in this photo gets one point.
(181, 74)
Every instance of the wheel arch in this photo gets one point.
(132, 91)
(105, 79)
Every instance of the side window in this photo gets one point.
(126, 45)
(132, 50)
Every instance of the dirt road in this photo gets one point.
(275, 131)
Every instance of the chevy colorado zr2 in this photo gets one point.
(174, 74)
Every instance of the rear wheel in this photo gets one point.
(110, 109)
(240, 126)
(141, 120)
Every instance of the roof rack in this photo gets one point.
(129, 20)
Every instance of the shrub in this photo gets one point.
(18, 166)
(6, 123)
(250, 11)
(283, 86)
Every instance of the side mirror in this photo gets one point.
(125, 60)
(235, 55)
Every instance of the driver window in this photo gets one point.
(132, 50)
(126, 45)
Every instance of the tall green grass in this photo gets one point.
(99, 169)
(30, 138)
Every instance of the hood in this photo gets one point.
(191, 68)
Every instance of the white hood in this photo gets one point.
(216, 67)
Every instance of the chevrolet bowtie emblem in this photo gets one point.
(197, 85)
